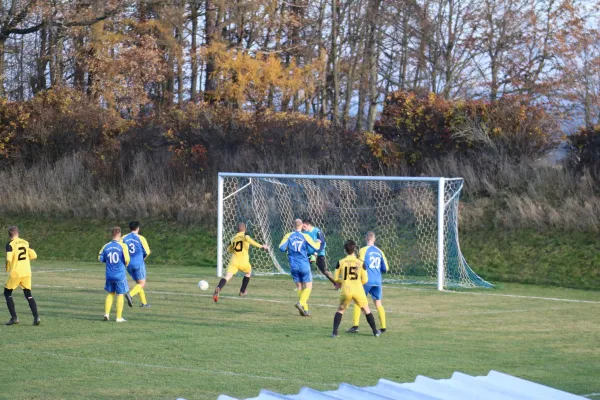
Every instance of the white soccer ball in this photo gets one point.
(203, 285)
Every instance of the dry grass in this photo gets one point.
(504, 193)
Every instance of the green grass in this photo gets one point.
(550, 257)
(187, 346)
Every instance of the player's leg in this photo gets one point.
(322, 265)
(247, 270)
(110, 287)
(231, 271)
(306, 290)
(139, 276)
(10, 303)
(337, 318)
(26, 286)
(297, 276)
(121, 290)
(361, 300)
(377, 294)
(356, 314)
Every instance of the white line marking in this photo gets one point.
(389, 311)
(54, 270)
(525, 297)
(196, 370)
(591, 395)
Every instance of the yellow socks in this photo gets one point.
(120, 301)
(356, 315)
(304, 298)
(381, 312)
(138, 289)
(108, 303)
(300, 295)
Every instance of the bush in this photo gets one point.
(427, 128)
(584, 151)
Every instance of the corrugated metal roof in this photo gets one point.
(494, 386)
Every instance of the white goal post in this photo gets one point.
(415, 220)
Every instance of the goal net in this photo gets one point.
(415, 221)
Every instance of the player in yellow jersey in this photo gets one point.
(239, 247)
(352, 275)
(376, 263)
(18, 255)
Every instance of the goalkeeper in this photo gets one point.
(318, 257)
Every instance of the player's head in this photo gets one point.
(298, 224)
(307, 223)
(350, 247)
(13, 232)
(115, 232)
(370, 237)
(134, 226)
(242, 227)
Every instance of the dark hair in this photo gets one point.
(350, 247)
(133, 225)
(307, 220)
(115, 231)
(12, 230)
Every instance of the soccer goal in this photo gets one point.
(415, 221)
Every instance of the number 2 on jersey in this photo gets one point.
(374, 262)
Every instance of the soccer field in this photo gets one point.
(186, 346)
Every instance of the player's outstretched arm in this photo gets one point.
(145, 247)
(315, 245)
(284, 243)
(126, 257)
(384, 265)
(364, 276)
(31, 254)
(101, 254)
(336, 276)
(252, 241)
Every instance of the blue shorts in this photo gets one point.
(376, 292)
(301, 275)
(120, 287)
(137, 273)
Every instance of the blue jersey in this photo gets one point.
(315, 233)
(375, 263)
(116, 257)
(138, 249)
(298, 246)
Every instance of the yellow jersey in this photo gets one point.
(239, 247)
(18, 255)
(351, 273)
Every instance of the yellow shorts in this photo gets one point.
(233, 268)
(23, 281)
(358, 296)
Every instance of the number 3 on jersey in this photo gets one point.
(131, 248)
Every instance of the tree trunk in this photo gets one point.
(335, 79)
(210, 29)
(194, 51)
(374, 40)
(2, 72)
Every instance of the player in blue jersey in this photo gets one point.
(298, 246)
(375, 262)
(116, 257)
(318, 257)
(138, 252)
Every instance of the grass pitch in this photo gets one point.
(187, 346)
